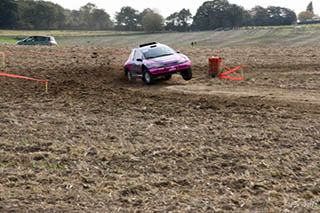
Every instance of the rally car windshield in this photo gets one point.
(156, 52)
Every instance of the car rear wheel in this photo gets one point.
(148, 77)
(129, 75)
(186, 74)
(167, 76)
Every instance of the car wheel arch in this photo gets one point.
(144, 68)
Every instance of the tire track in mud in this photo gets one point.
(283, 95)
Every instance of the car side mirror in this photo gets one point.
(139, 59)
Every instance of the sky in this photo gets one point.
(167, 7)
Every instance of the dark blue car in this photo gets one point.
(153, 60)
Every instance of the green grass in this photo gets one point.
(12, 36)
(7, 40)
(15, 33)
(307, 35)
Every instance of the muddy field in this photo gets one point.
(97, 143)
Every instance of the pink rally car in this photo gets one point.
(153, 60)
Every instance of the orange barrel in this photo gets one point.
(214, 66)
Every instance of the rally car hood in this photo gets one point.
(165, 59)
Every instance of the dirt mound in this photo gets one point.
(97, 143)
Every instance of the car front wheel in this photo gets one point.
(129, 75)
(186, 74)
(148, 77)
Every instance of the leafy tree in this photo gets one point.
(41, 15)
(73, 19)
(60, 17)
(179, 21)
(305, 15)
(184, 18)
(247, 19)
(310, 7)
(273, 16)
(281, 16)
(23, 19)
(235, 15)
(92, 18)
(141, 15)
(172, 22)
(260, 16)
(8, 14)
(127, 19)
(152, 22)
(219, 13)
(211, 15)
(100, 20)
(85, 13)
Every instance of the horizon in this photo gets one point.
(168, 7)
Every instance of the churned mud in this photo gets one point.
(97, 143)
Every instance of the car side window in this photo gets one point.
(40, 38)
(30, 39)
(137, 55)
(131, 57)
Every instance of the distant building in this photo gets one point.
(315, 20)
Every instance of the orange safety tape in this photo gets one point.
(232, 78)
(42, 53)
(22, 77)
(58, 53)
(230, 69)
(223, 75)
(27, 78)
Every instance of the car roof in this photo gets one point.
(40, 36)
(149, 45)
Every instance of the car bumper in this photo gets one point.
(170, 69)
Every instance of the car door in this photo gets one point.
(43, 40)
(129, 62)
(137, 61)
(39, 40)
(29, 41)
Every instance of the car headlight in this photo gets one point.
(182, 60)
(156, 65)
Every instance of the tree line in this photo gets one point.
(211, 15)
(42, 15)
(308, 16)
